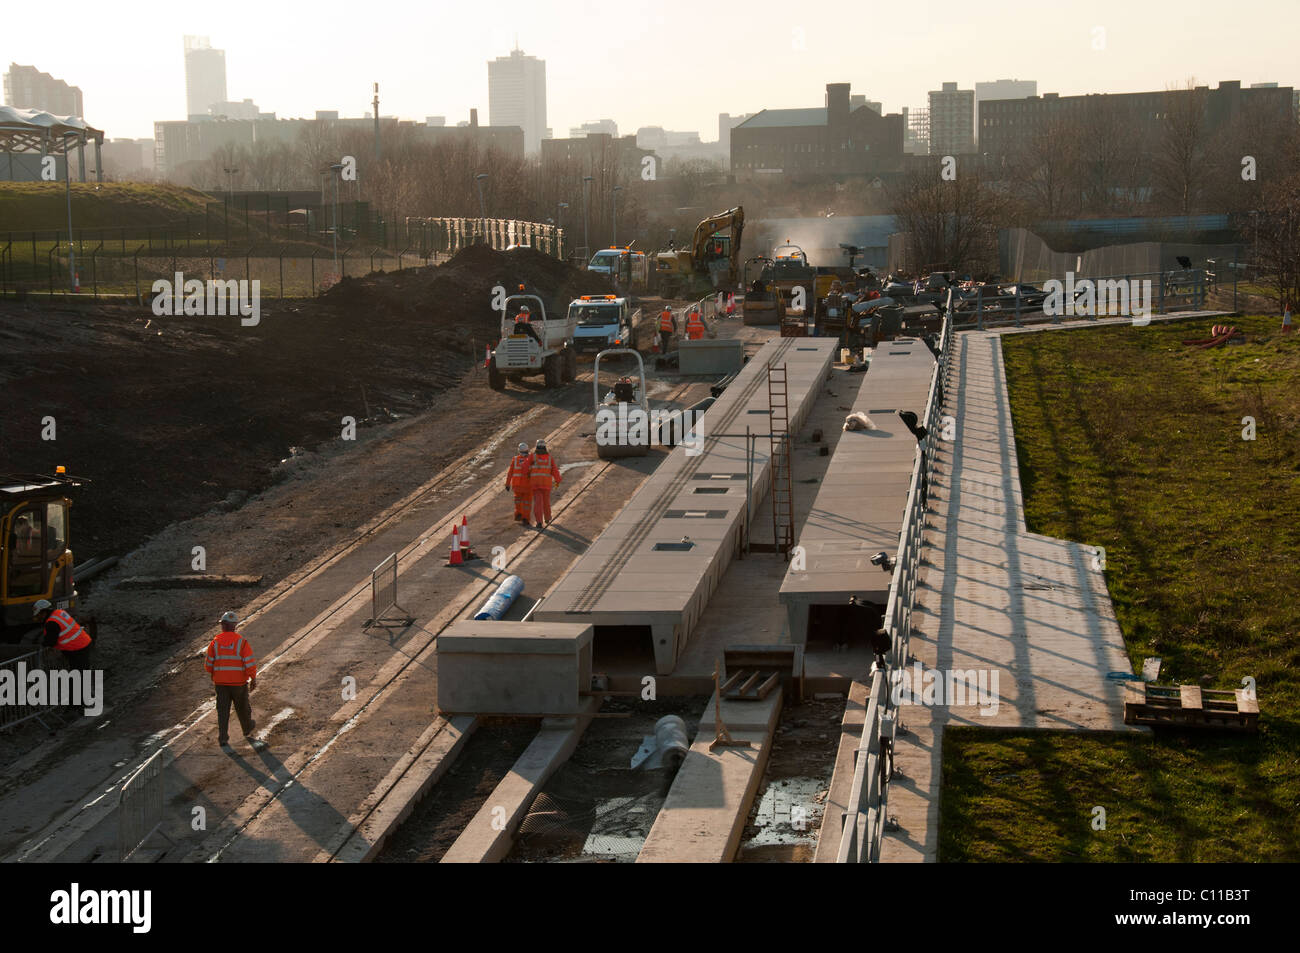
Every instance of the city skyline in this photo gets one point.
(1100, 47)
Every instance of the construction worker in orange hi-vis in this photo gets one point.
(229, 660)
(518, 478)
(544, 474)
(694, 325)
(667, 327)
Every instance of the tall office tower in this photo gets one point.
(205, 77)
(952, 121)
(517, 96)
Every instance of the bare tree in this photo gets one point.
(1049, 170)
(951, 224)
(1181, 149)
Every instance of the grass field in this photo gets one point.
(25, 206)
(1129, 440)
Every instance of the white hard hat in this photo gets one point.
(523, 308)
(230, 617)
(41, 606)
(523, 448)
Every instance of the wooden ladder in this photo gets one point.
(778, 401)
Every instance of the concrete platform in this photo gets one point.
(704, 815)
(628, 577)
(1027, 608)
(514, 668)
(858, 510)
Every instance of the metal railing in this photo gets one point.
(1162, 292)
(383, 594)
(450, 235)
(141, 804)
(15, 671)
(866, 812)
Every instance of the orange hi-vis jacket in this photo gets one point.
(694, 326)
(230, 660)
(666, 321)
(520, 470)
(544, 470)
(71, 635)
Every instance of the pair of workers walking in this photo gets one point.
(532, 476)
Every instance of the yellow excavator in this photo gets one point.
(711, 263)
(35, 561)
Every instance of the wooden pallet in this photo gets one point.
(1190, 706)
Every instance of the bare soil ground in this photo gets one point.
(171, 416)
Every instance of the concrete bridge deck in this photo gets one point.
(858, 509)
(634, 574)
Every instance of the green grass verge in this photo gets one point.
(25, 206)
(1129, 440)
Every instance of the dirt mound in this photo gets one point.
(171, 415)
(454, 300)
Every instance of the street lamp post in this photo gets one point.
(72, 247)
(336, 168)
(482, 208)
(586, 192)
(230, 187)
(559, 224)
(614, 214)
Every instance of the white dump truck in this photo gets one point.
(534, 345)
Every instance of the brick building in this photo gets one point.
(834, 140)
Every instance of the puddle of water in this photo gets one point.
(789, 812)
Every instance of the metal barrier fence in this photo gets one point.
(450, 235)
(141, 804)
(11, 715)
(383, 593)
(866, 811)
(1162, 292)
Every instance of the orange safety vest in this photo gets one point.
(543, 472)
(694, 326)
(230, 660)
(666, 321)
(71, 635)
(520, 468)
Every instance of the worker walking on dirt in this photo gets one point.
(694, 325)
(518, 478)
(667, 328)
(61, 631)
(229, 660)
(544, 475)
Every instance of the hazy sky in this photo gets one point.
(654, 62)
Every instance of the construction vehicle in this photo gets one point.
(711, 263)
(539, 345)
(623, 414)
(762, 304)
(35, 561)
(604, 321)
(621, 263)
(794, 278)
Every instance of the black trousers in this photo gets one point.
(239, 695)
(78, 661)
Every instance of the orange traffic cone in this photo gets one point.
(465, 551)
(731, 304)
(454, 557)
(76, 281)
(487, 355)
